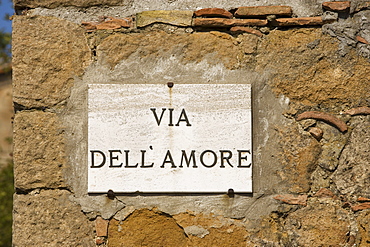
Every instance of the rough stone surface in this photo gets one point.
(262, 11)
(48, 54)
(216, 46)
(212, 230)
(213, 12)
(308, 69)
(39, 151)
(173, 17)
(146, 228)
(299, 154)
(332, 145)
(49, 218)
(322, 223)
(346, 32)
(363, 224)
(352, 174)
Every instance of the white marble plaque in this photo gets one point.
(153, 138)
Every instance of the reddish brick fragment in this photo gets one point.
(114, 23)
(362, 206)
(326, 117)
(364, 110)
(316, 132)
(301, 21)
(221, 22)
(362, 40)
(101, 227)
(263, 11)
(246, 30)
(337, 6)
(323, 192)
(99, 241)
(213, 12)
(292, 199)
(89, 25)
(363, 199)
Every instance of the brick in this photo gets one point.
(181, 18)
(301, 21)
(323, 192)
(101, 227)
(316, 132)
(363, 199)
(221, 22)
(336, 6)
(114, 23)
(262, 11)
(250, 30)
(89, 25)
(213, 12)
(292, 199)
(362, 206)
(361, 40)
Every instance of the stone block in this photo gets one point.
(222, 22)
(146, 228)
(38, 151)
(49, 218)
(47, 54)
(337, 6)
(216, 46)
(263, 11)
(321, 223)
(213, 12)
(181, 18)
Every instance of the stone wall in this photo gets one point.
(308, 63)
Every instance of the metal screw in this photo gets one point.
(170, 84)
(110, 194)
(230, 193)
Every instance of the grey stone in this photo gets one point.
(196, 231)
(352, 175)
